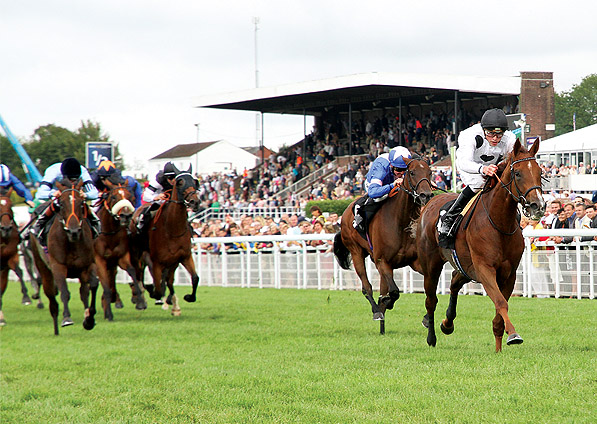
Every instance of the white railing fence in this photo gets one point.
(545, 270)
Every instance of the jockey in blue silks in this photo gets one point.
(108, 171)
(8, 180)
(386, 172)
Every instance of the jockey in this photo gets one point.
(386, 172)
(480, 148)
(107, 171)
(71, 169)
(8, 180)
(155, 192)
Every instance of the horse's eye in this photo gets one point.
(516, 173)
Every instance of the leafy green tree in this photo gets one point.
(50, 144)
(580, 100)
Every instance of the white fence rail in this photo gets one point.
(546, 270)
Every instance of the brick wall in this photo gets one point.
(537, 98)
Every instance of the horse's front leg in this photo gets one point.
(189, 265)
(389, 292)
(358, 260)
(138, 299)
(3, 285)
(102, 271)
(458, 280)
(157, 291)
(430, 281)
(500, 298)
(89, 313)
(59, 272)
(13, 264)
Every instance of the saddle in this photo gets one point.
(364, 208)
(459, 218)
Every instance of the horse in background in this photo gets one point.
(488, 246)
(391, 245)
(166, 242)
(112, 246)
(70, 255)
(9, 249)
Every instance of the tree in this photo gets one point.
(50, 144)
(580, 100)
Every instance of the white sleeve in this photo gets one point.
(465, 153)
(153, 189)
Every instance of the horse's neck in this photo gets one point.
(406, 209)
(501, 203)
(175, 215)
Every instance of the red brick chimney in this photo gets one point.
(537, 97)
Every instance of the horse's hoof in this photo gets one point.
(109, 317)
(431, 341)
(26, 300)
(169, 300)
(378, 316)
(40, 305)
(66, 322)
(159, 302)
(445, 329)
(35, 296)
(141, 306)
(190, 298)
(2, 322)
(88, 323)
(134, 300)
(175, 313)
(118, 304)
(425, 321)
(514, 338)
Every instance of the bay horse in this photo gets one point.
(9, 249)
(112, 246)
(69, 255)
(489, 244)
(391, 245)
(166, 242)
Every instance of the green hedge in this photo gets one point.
(337, 206)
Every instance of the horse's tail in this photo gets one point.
(341, 252)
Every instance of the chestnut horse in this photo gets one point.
(70, 255)
(391, 244)
(166, 242)
(112, 247)
(489, 244)
(9, 249)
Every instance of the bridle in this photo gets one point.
(519, 197)
(411, 188)
(72, 214)
(188, 191)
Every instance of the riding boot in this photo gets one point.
(445, 229)
(146, 216)
(94, 223)
(40, 226)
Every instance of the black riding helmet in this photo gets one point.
(170, 170)
(494, 119)
(71, 168)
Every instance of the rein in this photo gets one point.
(411, 189)
(72, 212)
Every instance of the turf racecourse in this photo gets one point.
(306, 356)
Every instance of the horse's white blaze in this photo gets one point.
(3, 202)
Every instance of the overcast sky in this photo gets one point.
(135, 66)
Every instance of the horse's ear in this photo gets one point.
(407, 160)
(517, 147)
(79, 184)
(108, 183)
(535, 147)
(60, 185)
(190, 171)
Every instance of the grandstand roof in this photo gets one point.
(363, 91)
(574, 141)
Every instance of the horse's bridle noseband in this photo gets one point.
(186, 193)
(412, 189)
(521, 198)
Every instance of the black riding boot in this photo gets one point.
(445, 231)
(146, 216)
(39, 228)
(94, 223)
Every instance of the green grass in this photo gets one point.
(286, 356)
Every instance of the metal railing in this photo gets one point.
(291, 262)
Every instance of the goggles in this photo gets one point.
(495, 133)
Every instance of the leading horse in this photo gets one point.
(70, 255)
(112, 246)
(167, 241)
(488, 246)
(391, 245)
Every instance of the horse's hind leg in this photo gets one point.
(137, 289)
(498, 321)
(84, 289)
(458, 280)
(389, 291)
(60, 280)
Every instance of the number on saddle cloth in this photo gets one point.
(364, 209)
